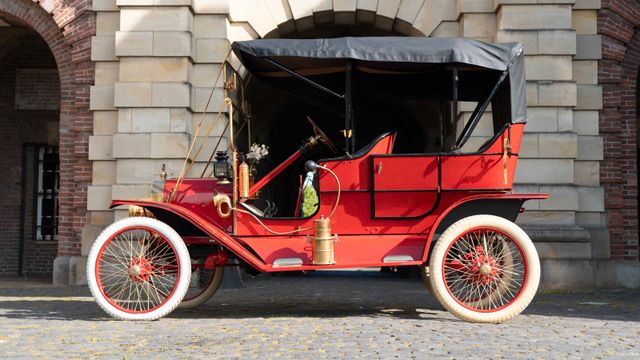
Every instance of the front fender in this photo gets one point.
(504, 205)
(199, 222)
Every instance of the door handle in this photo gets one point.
(379, 168)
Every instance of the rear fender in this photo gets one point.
(507, 206)
(185, 221)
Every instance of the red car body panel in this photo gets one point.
(390, 205)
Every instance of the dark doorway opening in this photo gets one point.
(29, 114)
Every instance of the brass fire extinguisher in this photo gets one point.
(322, 242)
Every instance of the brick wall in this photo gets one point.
(17, 128)
(67, 27)
(617, 23)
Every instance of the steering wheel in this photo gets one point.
(322, 136)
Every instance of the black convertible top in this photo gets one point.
(387, 55)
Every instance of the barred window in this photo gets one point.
(47, 186)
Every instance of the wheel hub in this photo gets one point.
(483, 267)
(140, 269)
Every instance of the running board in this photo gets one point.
(287, 262)
(397, 258)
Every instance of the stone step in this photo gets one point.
(563, 250)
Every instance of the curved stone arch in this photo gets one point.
(618, 123)
(32, 15)
(281, 18)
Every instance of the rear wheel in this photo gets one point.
(138, 269)
(484, 268)
(204, 284)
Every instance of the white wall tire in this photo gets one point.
(197, 296)
(138, 269)
(485, 269)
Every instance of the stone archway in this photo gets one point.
(278, 110)
(618, 73)
(66, 29)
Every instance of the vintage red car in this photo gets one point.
(448, 208)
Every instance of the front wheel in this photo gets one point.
(484, 268)
(138, 269)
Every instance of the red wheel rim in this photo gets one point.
(484, 270)
(137, 270)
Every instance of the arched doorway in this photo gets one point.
(29, 143)
(73, 76)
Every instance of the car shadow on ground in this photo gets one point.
(317, 295)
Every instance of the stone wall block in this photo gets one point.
(560, 198)
(431, 14)
(529, 146)
(156, 19)
(545, 67)
(151, 120)
(211, 6)
(585, 21)
(172, 44)
(542, 119)
(587, 173)
(586, 122)
(133, 94)
(98, 197)
(529, 39)
(130, 192)
(589, 97)
(101, 97)
(154, 69)
(134, 43)
(557, 94)
(104, 172)
(587, 4)
(104, 5)
(179, 120)
(144, 171)
(544, 171)
(200, 96)
(546, 218)
(478, 25)
(474, 6)
(107, 73)
(103, 48)
(107, 23)
(170, 95)
(124, 120)
(203, 75)
(210, 26)
(100, 147)
(591, 198)
(563, 250)
(585, 72)
(169, 145)
(131, 146)
(559, 145)
(590, 148)
(534, 17)
(588, 47)
(447, 29)
(557, 42)
(211, 50)
(105, 122)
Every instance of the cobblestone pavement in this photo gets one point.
(319, 315)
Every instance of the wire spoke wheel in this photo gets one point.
(137, 269)
(204, 284)
(484, 269)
